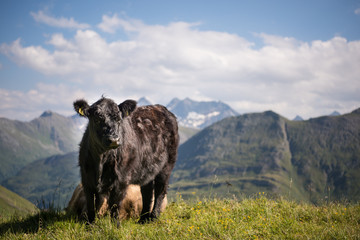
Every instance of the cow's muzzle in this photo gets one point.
(114, 143)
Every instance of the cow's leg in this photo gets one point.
(98, 202)
(161, 185)
(147, 194)
(115, 199)
(162, 182)
(90, 195)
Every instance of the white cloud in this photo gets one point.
(59, 42)
(61, 22)
(357, 11)
(114, 23)
(30, 104)
(179, 60)
(111, 24)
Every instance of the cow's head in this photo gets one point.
(104, 119)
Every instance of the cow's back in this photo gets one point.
(154, 138)
(157, 114)
(155, 124)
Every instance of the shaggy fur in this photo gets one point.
(130, 207)
(117, 149)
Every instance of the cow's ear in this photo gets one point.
(127, 107)
(81, 107)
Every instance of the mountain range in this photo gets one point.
(47, 181)
(38, 157)
(313, 160)
(24, 142)
(50, 179)
(333, 114)
(196, 114)
(307, 160)
(199, 114)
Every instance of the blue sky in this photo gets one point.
(293, 57)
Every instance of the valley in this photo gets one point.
(238, 155)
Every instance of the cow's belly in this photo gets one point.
(148, 169)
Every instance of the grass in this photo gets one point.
(11, 203)
(257, 217)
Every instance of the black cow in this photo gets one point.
(125, 145)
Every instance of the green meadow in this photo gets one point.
(256, 217)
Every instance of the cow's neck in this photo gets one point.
(96, 149)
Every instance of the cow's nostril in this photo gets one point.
(114, 142)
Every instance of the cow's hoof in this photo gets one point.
(146, 219)
(143, 220)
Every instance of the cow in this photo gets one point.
(122, 145)
(130, 207)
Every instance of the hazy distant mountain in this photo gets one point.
(47, 181)
(298, 118)
(143, 102)
(335, 113)
(196, 114)
(23, 142)
(35, 160)
(307, 160)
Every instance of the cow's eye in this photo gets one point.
(97, 119)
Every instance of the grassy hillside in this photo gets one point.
(51, 179)
(315, 160)
(326, 155)
(252, 218)
(312, 160)
(185, 133)
(238, 155)
(24, 142)
(12, 204)
(47, 181)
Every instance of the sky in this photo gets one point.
(292, 57)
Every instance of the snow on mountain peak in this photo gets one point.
(195, 119)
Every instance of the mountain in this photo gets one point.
(185, 133)
(326, 155)
(247, 152)
(198, 115)
(39, 158)
(335, 113)
(23, 142)
(143, 102)
(307, 160)
(298, 118)
(11, 203)
(53, 179)
(47, 181)
(193, 114)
